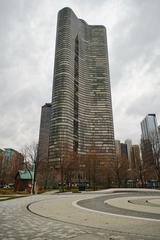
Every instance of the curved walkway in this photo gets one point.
(91, 211)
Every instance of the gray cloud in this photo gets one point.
(145, 104)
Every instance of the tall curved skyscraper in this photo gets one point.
(81, 118)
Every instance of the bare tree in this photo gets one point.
(140, 169)
(66, 165)
(91, 167)
(71, 168)
(155, 142)
(29, 151)
(119, 168)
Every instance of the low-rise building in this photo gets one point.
(11, 162)
(23, 180)
(135, 157)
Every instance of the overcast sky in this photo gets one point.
(27, 45)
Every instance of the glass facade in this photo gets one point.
(81, 116)
(149, 126)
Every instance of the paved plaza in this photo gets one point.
(110, 214)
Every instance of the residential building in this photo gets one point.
(12, 162)
(124, 149)
(81, 115)
(23, 180)
(149, 127)
(150, 146)
(149, 138)
(129, 144)
(121, 150)
(43, 146)
(135, 157)
(147, 152)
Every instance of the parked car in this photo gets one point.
(10, 185)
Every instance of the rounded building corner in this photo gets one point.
(65, 9)
(83, 21)
(101, 26)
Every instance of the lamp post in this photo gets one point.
(33, 178)
(35, 161)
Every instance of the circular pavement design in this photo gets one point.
(137, 204)
(90, 210)
(154, 202)
(141, 204)
(150, 201)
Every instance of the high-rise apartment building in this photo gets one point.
(118, 148)
(43, 171)
(122, 152)
(135, 157)
(150, 140)
(149, 126)
(147, 151)
(43, 144)
(129, 145)
(81, 116)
